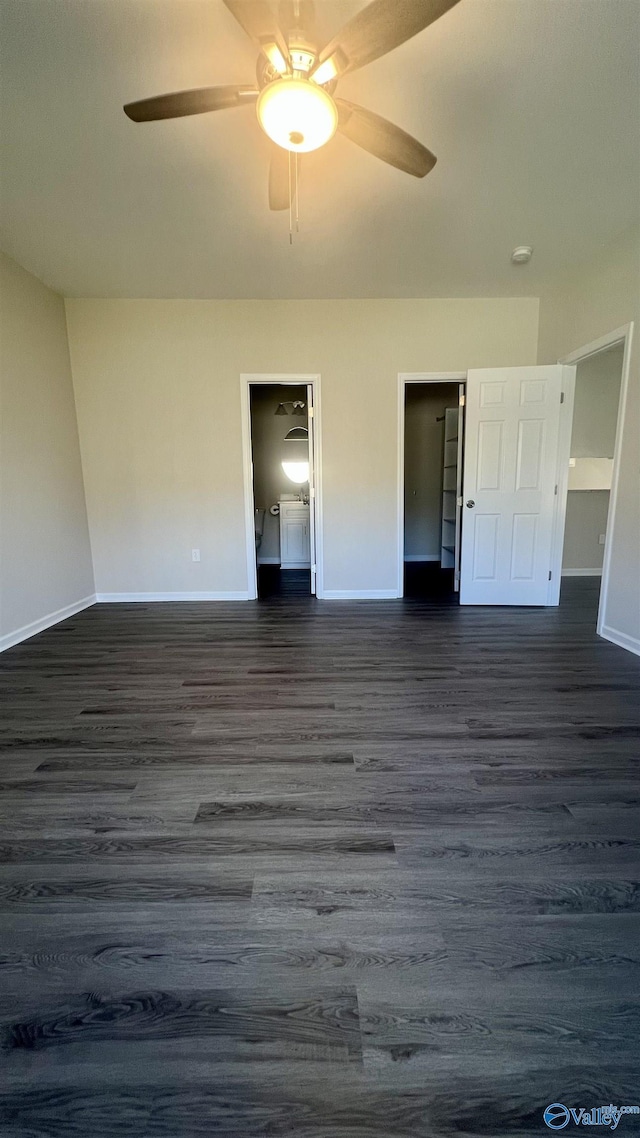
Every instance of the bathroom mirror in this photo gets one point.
(296, 455)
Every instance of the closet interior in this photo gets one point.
(432, 488)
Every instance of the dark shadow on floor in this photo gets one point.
(276, 582)
(426, 580)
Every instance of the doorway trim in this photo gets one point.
(286, 379)
(622, 335)
(405, 378)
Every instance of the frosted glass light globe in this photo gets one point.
(296, 114)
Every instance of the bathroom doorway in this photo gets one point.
(431, 487)
(281, 502)
(593, 437)
(594, 418)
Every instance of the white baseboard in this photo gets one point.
(268, 560)
(122, 598)
(360, 595)
(422, 557)
(631, 643)
(582, 572)
(44, 622)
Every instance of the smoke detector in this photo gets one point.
(521, 254)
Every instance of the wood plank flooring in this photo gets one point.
(334, 870)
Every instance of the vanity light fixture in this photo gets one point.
(298, 407)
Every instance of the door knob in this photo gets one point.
(470, 503)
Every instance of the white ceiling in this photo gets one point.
(530, 105)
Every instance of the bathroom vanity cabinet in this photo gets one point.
(295, 548)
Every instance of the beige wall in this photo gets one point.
(158, 398)
(586, 520)
(595, 408)
(46, 557)
(590, 303)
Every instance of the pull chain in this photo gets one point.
(297, 195)
(294, 185)
(290, 203)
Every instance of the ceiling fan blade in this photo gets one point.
(258, 21)
(383, 139)
(376, 30)
(279, 179)
(196, 102)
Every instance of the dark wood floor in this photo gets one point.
(320, 870)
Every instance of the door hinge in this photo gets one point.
(310, 412)
(562, 396)
(459, 501)
(461, 401)
(550, 574)
(312, 491)
(313, 568)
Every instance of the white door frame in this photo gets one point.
(404, 378)
(286, 379)
(623, 335)
(565, 426)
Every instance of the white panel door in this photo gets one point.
(509, 489)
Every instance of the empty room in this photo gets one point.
(320, 573)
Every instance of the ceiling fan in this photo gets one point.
(296, 81)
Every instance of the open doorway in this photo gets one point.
(596, 428)
(431, 478)
(280, 487)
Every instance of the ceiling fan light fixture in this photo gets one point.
(331, 68)
(297, 115)
(275, 57)
(325, 72)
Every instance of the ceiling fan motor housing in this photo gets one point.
(303, 55)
